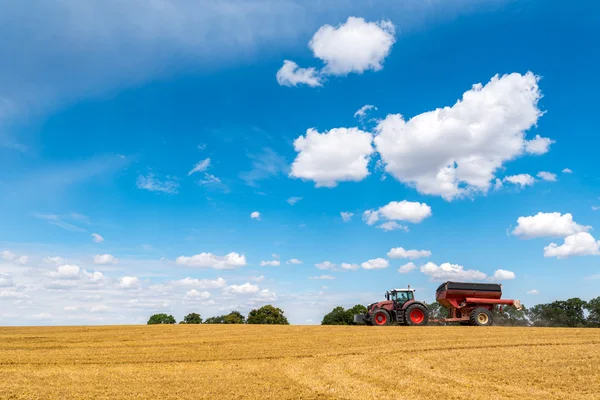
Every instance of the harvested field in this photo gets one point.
(298, 362)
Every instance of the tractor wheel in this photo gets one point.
(416, 315)
(481, 317)
(381, 318)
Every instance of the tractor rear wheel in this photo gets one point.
(381, 318)
(416, 315)
(481, 317)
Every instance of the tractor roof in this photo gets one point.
(402, 290)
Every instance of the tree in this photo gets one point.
(567, 313)
(357, 309)
(215, 320)
(510, 316)
(157, 319)
(437, 311)
(192, 318)
(593, 308)
(339, 316)
(234, 317)
(267, 315)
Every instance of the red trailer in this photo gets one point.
(471, 303)
(467, 304)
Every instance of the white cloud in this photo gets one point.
(456, 151)
(201, 283)
(502, 275)
(538, 145)
(105, 259)
(6, 281)
(56, 260)
(70, 308)
(414, 212)
(8, 256)
(362, 112)
(97, 238)
(258, 278)
(567, 171)
(346, 216)
(392, 226)
(547, 225)
(67, 272)
(521, 180)
(265, 165)
(12, 294)
(129, 282)
(350, 267)
(406, 268)
(246, 288)
(293, 200)
(275, 255)
(595, 208)
(196, 295)
(265, 296)
(578, 244)
(447, 271)
(533, 291)
(354, 46)
(547, 176)
(290, 74)
(152, 183)
(325, 265)
(339, 155)
(399, 252)
(321, 277)
(294, 261)
(200, 166)
(255, 215)
(100, 308)
(377, 263)
(498, 184)
(270, 263)
(209, 260)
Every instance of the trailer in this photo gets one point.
(467, 304)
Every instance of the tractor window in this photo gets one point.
(401, 297)
(411, 295)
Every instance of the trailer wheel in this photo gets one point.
(481, 317)
(416, 315)
(381, 318)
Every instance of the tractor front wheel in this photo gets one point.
(416, 315)
(481, 317)
(381, 318)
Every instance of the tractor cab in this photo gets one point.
(400, 296)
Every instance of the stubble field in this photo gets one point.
(298, 362)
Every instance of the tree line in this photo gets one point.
(573, 313)
(268, 314)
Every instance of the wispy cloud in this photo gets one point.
(152, 183)
(265, 165)
(58, 220)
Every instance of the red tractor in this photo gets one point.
(467, 304)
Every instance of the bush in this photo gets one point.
(339, 316)
(192, 318)
(157, 319)
(267, 315)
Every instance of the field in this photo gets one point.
(298, 362)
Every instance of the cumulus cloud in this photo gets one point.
(66, 272)
(321, 277)
(377, 263)
(196, 295)
(325, 265)
(255, 215)
(346, 216)
(547, 176)
(294, 261)
(246, 288)
(129, 282)
(533, 291)
(578, 244)
(6, 281)
(97, 238)
(567, 171)
(208, 260)
(105, 259)
(447, 271)
(414, 212)
(538, 145)
(290, 74)
(455, 151)
(12, 257)
(400, 252)
(548, 225)
(270, 263)
(338, 155)
(152, 183)
(406, 268)
(354, 46)
(502, 275)
(200, 166)
(349, 267)
(521, 180)
(201, 283)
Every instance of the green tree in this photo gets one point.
(157, 319)
(215, 320)
(593, 308)
(192, 318)
(437, 311)
(337, 316)
(267, 315)
(234, 317)
(357, 309)
(569, 313)
(510, 316)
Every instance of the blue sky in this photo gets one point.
(105, 110)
